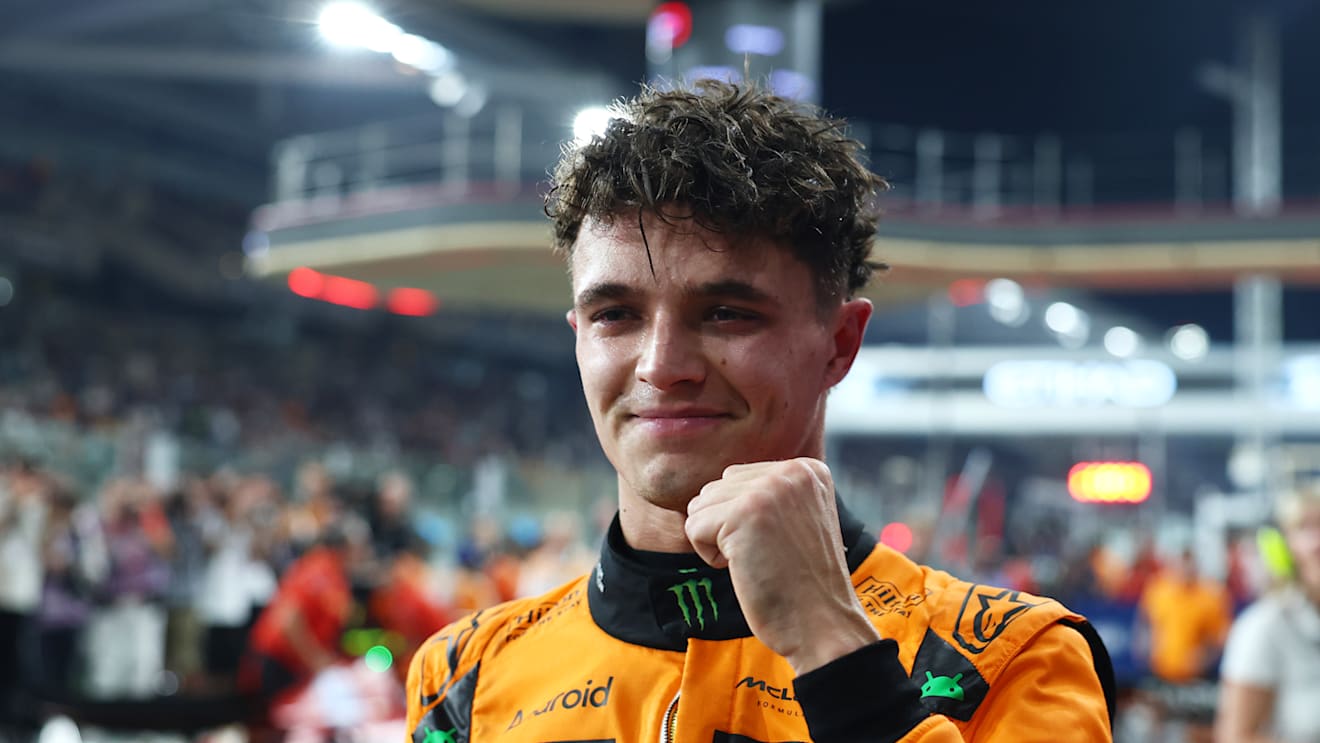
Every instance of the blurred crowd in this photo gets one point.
(138, 593)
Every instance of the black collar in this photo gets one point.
(659, 600)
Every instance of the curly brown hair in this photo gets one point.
(735, 159)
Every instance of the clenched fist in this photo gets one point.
(776, 527)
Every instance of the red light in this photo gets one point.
(672, 21)
(897, 535)
(1109, 482)
(412, 302)
(966, 292)
(349, 292)
(306, 282)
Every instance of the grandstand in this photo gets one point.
(260, 276)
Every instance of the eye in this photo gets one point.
(725, 314)
(611, 315)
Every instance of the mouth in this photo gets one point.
(666, 423)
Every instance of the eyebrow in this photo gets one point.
(725, 288)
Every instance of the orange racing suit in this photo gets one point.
(652, 647)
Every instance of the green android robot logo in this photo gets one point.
(942, 686)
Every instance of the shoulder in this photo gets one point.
(974, 617)
(452, 651)
(950, 626)
(1263, 618)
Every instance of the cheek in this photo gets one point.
(600, 368)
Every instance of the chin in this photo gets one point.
(671, 485)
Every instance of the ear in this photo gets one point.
(848, 329)
(571, 317)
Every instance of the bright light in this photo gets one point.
(744, 38)
(1122, 342)
(1189, 342)
(966, 292)
(423, 54)
(1109, 482)
(792, 84)
(1007, 302)
(1070, 324)
(897, 535)
(1062, 318)
(448, 88)
(590, 122)
(306, 282)
(472, 101)
(342, 23)
(411, 302)
(1301, 378)
(1139, 383)
(349, 293)
(379, 35)
(379, 658)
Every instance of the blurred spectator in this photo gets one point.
(66, 598)
(22, 524)
(1186, 619)
(560, 557)
(126, 634)
(1271, 669)
(405, 604)
(236, 580)
(389, 516)
(298, 634)
(191, 518)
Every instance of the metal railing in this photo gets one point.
(509, 148)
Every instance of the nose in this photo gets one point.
(671, 354)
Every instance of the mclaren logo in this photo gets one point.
(777, 692)
(985, 612)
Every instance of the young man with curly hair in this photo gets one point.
(716, 238)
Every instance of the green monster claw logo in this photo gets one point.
(440, 736)
(941, 686)
(687, 590)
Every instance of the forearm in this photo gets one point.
(867, 697)
(311, 655)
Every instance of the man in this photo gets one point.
(297, 636)
(715, 239)
(1183, 620)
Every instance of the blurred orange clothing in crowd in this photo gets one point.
(1189, 619)
(403, 604)
(317, 588)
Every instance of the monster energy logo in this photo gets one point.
(686, 592)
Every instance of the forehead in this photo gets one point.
(680, 253)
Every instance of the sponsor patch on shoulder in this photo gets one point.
(986, 611)
(950, 684)
(881, 597)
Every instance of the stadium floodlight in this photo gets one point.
(350, 24)
(1070, 324)
(448, 88)
(1122, 342)
(341, 23)
(1189, 342)
(423, 54)
(590, 122)
(1007, 302)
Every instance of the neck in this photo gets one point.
(651, 528)
(1310, 589)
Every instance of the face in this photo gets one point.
(722, 356)
(1303, 537)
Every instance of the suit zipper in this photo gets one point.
(669, 725)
